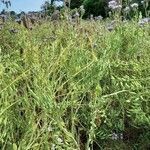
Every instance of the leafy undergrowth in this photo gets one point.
(69, 87)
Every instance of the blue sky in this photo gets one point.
(24, 5)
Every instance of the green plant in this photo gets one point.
(75, 87)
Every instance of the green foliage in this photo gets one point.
(100, 7)
(48, 7)
(96, 7)
(76, 3)
(71, 87)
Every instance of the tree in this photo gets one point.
(76, 3)
(48, 7)
(6, 2)
(13, 14)
(96, 7)
(45, 7)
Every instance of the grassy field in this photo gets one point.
(72, 87)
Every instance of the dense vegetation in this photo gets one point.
(76, 84)
(70, 87)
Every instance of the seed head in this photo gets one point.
(134, 5)
(91, 17)
(127, 9)
(13, 31)
(114, 136)
(110, 28)
(144, 21)
(114, 5)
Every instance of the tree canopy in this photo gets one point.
(6, 2)
(100, 7)
(95, 7)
